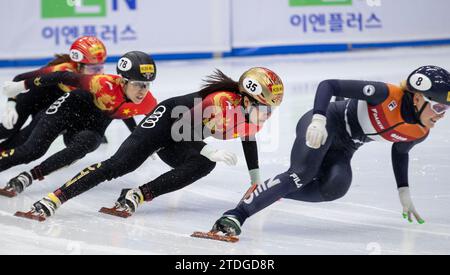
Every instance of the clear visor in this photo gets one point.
(437, 107)
(93, 69)
(141, 85)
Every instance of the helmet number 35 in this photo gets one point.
(252, 86)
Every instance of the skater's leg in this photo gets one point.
(141, 144)
(332, 182)
(46, 131)
(305, 165)
(81, 144)
(57, 118)
(188, 167)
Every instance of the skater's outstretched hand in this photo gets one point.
(12, 89)
(409, 209)
(219, 155)
(10, 115)
(317, 134)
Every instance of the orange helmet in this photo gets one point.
(88, 50)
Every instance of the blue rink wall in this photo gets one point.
(259, 51)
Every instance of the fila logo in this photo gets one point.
(393, 105)
(297, 180)
(261, 188)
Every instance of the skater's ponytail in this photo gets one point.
(60, 59)
(218, 82)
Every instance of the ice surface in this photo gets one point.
(366, 221)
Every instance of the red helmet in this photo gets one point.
(88, 50)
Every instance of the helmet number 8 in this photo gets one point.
(419, 81)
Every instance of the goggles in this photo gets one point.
(93, 69)
(438, 108)
(141, 85)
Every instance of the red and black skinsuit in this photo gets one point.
(35, 102)
(85, 112)
(224, 119)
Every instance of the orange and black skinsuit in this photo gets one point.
(38, 100)
(85, 113)
(375, 111)
(175, 130)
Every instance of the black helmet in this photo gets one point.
(137, 66)
(432, 81)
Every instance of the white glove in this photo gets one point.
(10, 115)
(408, 207)
(12, 89)
(219, 155)
(317, 134)
(255, 176)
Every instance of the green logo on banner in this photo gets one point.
(73, 8)
(301, 3)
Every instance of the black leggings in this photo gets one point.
(315, 175)
(29, 104)
(75, 113)
(152, 135)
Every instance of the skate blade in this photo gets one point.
(6, 193)
(215, 237)
(30, 215)
(114, 212)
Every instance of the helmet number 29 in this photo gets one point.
(76, 55)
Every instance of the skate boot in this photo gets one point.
(42, 209)
(46, 207)
(228, 225)
(126, 204)
(130, 199)
(226, 229)
(19, 183)
(16, 185)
